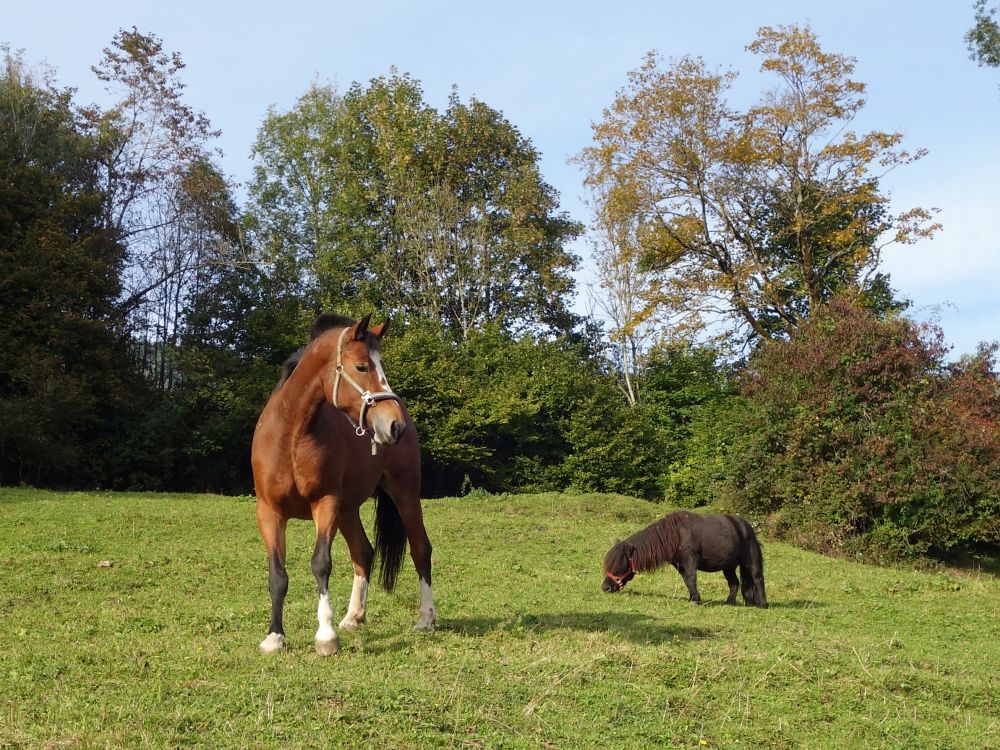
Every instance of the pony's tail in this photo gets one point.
(752, 573)
(390, 538)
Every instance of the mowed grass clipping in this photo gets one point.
(132, 621)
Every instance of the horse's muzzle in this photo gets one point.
(387, 423)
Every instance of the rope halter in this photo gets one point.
(368, 399)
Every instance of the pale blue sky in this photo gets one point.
(551, 67)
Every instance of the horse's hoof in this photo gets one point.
(424, 626)
(351, 623)
(273, 644)
(328, 648)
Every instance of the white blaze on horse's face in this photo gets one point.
(386, 416)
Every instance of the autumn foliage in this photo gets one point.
(858, 438)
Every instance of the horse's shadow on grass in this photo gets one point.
(630, 626)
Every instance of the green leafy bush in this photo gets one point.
(858, 438)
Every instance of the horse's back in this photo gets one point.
(720, 539)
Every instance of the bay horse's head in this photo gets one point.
(357, 385)
(619, 567)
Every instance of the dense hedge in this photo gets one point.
(855, 436)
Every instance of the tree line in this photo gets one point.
(757, 357)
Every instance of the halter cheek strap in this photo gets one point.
(368, 399)
(620, 580)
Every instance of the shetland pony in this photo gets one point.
(692, 542)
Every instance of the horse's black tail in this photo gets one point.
(390, 538)
(752, 572)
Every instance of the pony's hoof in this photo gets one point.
(273, 644)
(352, 623)
(328, 648)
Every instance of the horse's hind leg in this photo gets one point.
(734, 584)
(272, 530)
(753, 582)
(420, 552)
(325, 517)
(362, 555)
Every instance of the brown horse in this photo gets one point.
(332, 434)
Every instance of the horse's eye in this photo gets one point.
(361, 368)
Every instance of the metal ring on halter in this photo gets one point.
(359, 430)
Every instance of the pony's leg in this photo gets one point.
(325, 517)
(689, 569)
(760, 598)
(420, 552)
(753, 584)
(272, 530)
(362, 555)
(734, 584)
(749, 598)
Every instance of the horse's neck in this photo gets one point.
(303, 393)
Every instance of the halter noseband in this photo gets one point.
(620, 580)
(368, 399)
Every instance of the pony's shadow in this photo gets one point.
(797, 604)
(681, 599)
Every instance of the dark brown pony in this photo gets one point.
(332, 434)
(692, 542)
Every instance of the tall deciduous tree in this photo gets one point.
(750, 218)
(384, 201)
(983, 38)
(61, 362)
(620, 299)
(164, 200)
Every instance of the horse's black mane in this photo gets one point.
(326, 321)
(323, 323)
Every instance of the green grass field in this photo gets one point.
(159, 650)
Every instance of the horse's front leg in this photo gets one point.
(689, 569)
(734, 584)
(325, 517)
(362, 555)
(272, 531)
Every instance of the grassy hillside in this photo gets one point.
(159, 650)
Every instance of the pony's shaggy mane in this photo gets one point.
(653, 546)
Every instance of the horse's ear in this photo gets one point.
(361, 328)
(380, 330)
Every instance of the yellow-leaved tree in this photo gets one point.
(746, 220)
